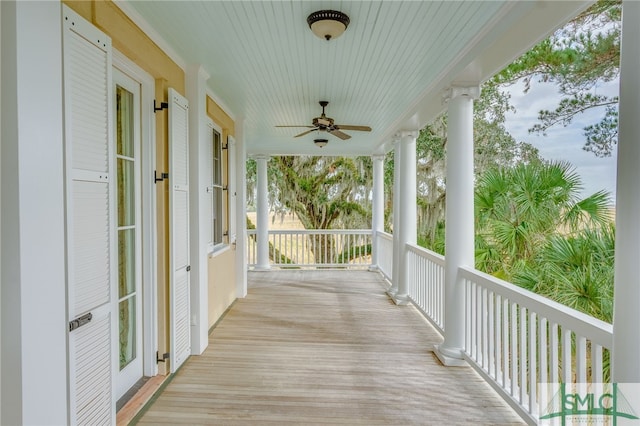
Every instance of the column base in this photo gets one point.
(262, 268)
(449, 357)
(373, 268)
(399, 299)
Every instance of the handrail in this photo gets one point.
(431, 256)
(298, 248)
(314, 231)
(598, 331)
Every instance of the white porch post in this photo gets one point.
(262, 225)
(626, 315)
(459, 232)
(397, 148)
(33, 292)
(407, 222)
(196, 88)
(241, 211)
(377, 216)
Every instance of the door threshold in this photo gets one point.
(135, 399)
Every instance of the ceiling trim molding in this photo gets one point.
(142, 23)
(215, 98)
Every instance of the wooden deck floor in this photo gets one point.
(324, 347)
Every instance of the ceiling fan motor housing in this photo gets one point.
(323, 122)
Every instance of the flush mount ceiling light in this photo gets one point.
(328, 24)
(320, 142)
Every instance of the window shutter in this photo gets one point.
(208, 229)
(179, 233)
(89, 218)
(232, 179)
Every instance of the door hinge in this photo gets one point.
(162, 106)
(165, 357)
(160, 178)
(80, 321)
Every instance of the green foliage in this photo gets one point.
(323, 192)
(534, 231)
(518, 208)
(577, 59)
(575, 270)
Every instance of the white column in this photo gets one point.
(377, 208)
(241, 211)
(626, 315)
(196, 89)
(34, 315)
(407, 224)
(459, 231)
(397, 148)
(262, 225)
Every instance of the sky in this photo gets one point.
(563, 143)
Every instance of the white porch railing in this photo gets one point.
(517, 340)
(337, 248)
(426, 283)
(385, 254)
(520, 341)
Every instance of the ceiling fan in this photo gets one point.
(326, 124)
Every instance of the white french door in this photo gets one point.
(127, 131)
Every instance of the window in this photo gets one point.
(217, 194)
(217, 189)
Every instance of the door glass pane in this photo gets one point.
(127, 314)
(124, 119)
(126, 262)
(126, 193)
(217, 159)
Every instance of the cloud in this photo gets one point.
(562, 143)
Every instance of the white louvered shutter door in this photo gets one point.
(90, 219)
(208, 228)
(179, 234)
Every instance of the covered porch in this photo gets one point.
(318, 346)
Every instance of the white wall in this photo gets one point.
(33, 296)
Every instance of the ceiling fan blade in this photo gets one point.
(350, 127)
(305, 133)
(302, 125)
(339, 134)
(324, 121)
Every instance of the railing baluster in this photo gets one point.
(533, 364)
(473, 326)
(483, 320)
(543, 351)
(523, 354)
(554, 353)
(505, 343)
(566, 356)
(498, 345)
(468, 309)
(596, 363)
(491, 337)
(581, 359)
(513, 342)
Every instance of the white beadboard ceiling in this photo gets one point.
(387, 71)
